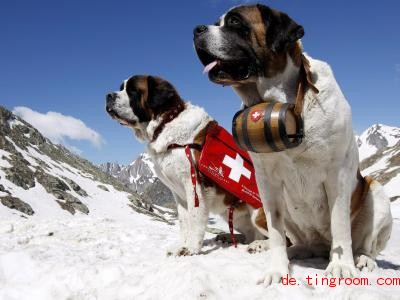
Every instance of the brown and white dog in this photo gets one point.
(160, 118)
(312, 192)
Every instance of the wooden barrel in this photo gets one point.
(267, 127)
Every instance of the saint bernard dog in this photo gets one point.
(313, 193)
(161, 119)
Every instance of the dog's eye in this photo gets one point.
(233, 21)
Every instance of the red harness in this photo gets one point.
(192, 167)
(221, 156)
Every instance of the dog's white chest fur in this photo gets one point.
(302, 171)
(172, 166)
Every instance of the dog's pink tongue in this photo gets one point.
(209, 67)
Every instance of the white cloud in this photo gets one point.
(57, 127)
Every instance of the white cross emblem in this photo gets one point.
(256, 115)
(237, 167)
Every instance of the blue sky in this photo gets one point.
(63, 56)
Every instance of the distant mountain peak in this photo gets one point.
(140, 177)
(379, 151)
(377, 137)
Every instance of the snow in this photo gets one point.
(392, 188)
(26, 156)
(4, 163)
(147, 159)
(366, 151)
(133, 179)
(15, 122)
(106, 258)
(42, 203)
(388, 133)
(379, 165)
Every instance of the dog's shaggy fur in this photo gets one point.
(308, 192)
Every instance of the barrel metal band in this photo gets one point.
(267, 130)
(246, 138)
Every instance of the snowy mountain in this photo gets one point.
(141, 178)
(137, 175)
(112, 169)
(41, 179)
(377, 137)
(379, 148)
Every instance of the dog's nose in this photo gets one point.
(200, 29)
(110, 99)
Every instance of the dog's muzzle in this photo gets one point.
(268, 127)
(110, 101)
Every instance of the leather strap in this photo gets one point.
(305, 80)
(168, 117)
(246, 138)
(360, 193)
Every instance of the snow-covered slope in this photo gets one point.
(40, 179)
(97, 258)
(379, 148)
(376, 138)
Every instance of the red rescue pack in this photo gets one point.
(223, 162)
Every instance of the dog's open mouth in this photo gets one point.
(225, 71)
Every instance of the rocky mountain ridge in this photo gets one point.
(38, 177)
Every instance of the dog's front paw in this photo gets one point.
(341, 269)
(364, 262)
(278, 266)
(258, 246)
(274, 275)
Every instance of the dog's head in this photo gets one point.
(140, 100)
(247, 42)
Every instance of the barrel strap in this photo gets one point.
(305, 80)
(234, 131)
(267, 128)
(246, 138)
(360, 193)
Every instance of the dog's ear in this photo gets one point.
(282, 32)
(160, 92)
